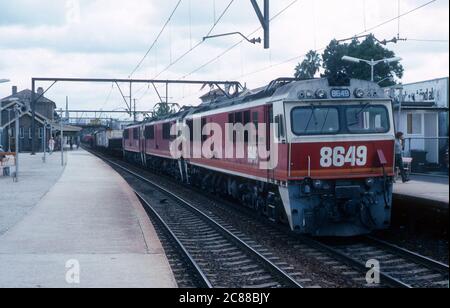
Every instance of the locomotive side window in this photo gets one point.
(256, 124)
(367, 119)
(315, 120)
(238, 117)
(150, 132)
(280, 125)
(231, 133)
(204, 122)
(190, 125)
(166, 131)
(247, 120)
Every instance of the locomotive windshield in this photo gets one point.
(315, 120)
(367, 119)
(332, 120)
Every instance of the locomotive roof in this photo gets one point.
(281, 89)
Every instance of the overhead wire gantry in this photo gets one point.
(35, 97)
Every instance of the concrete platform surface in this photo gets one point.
(36, 179)
(426, 189)
(89, 225)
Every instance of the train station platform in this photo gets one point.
(78, 226)
(426, 190)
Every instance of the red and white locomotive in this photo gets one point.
(334, 168)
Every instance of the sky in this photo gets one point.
(108, 38)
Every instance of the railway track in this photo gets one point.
(398, 266)
(219, 258)
(404, 268)
(187, 271)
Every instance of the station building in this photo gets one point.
(45, 113)
(422, 115)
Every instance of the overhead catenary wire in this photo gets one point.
(240, 42)
(396, 18)
(192, 48)
(365, 31)
(156, 39)
(172, 63)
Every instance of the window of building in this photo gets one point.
(415, 124)
(21, 133)
(41, 133)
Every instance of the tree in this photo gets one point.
(337, 69)
(340, 71)
(163, 109)
(309, 67)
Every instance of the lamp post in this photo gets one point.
(372, 63)
(387, 78)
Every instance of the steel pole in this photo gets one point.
(44, 142)
(372, 65)
(17, 143)
(33, 120)
(266, 24)
(9, 130)
(62, 138)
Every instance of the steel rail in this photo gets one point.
(423, 260)
(204, 281)
(263, 260)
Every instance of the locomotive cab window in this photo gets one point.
(315, 120)
(136, 133)
(367, 119)
(126, 134)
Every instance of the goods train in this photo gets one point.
(329, 161)
(108, 141)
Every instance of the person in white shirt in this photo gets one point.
(51, 145)
(399, 141)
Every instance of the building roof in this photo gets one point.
(26, 95)
(423, 81)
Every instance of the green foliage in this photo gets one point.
(309, 67)
(163, 109)
(338, 70)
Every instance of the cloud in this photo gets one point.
(107, 38)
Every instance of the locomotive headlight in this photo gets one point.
(309, 94)
(321, 94)
(318, 184)
(359, 93)
(307, 189)
(370, 182)
(301, 94)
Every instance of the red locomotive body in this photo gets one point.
(315, 156)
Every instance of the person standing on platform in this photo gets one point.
(2, 156)
(51, 145)
(399, 146)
